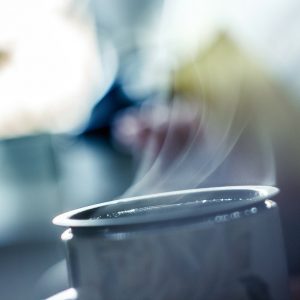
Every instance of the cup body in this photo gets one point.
(221, 252)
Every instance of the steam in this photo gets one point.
(213, 132)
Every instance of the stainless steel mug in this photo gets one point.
(210, 244)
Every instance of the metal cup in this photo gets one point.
(212, 244)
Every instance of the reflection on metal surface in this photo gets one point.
(168, 205)
(70, 294)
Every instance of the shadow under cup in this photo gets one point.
(210, 244)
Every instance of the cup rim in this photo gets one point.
(82, 217)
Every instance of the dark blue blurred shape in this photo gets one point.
(105, 110)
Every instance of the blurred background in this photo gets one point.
(101, 99)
